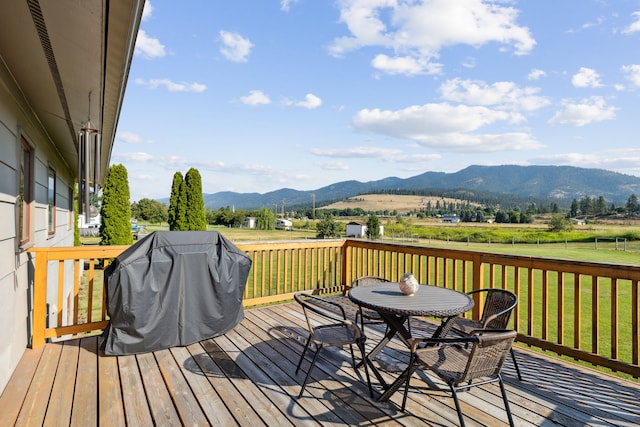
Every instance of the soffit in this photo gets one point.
(70, 59)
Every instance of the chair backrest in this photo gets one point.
(488, 354)
(364, 280)
(498, 306)
(329, 311)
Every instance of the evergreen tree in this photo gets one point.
(195, 216)
(373, 227)
(177, 204)
(574, 209)
(601, 206)
(632, 204)
(115, 212)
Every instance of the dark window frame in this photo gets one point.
(51, 201)
(25, 192)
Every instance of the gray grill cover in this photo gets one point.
(173, 288)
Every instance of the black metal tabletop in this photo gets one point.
(427, 301)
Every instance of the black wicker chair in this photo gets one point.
(336, 331)
(463, 362)
(496, 312)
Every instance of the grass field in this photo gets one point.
(390, 202)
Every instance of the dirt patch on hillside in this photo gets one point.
(400, 203)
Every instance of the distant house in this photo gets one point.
(359, 229)
(90, 227)
(249, 222)
(451, 218)
(283, 224)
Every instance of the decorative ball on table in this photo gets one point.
(408, 284)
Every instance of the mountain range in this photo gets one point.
(554, 183)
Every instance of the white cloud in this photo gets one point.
(634, 27)
(235, 47)
(148, 47)
(444, 126)
(255, 97)
(385, 154)
(138, 157)
(499, 94)
(172, 86)
(587, 111)
(285, 5)
(147, 11)
(469, 62)
(587, 25)
(586, 77)
(355, 152)
(419, 30)
(617, 160)
(334, 166)
(131, 138)
(536, 74)
(310, 101)
(407, 65)
(632, 73)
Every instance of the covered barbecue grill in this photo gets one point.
(173, 288)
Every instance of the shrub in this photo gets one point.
(115, 212)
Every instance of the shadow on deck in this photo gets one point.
(246, 377)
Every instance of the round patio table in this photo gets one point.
(395, 308)
(427, 301)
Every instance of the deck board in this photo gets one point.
(247, 378)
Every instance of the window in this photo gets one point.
(51, 201)
(25, 196)
(70, 216)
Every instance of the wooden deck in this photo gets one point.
(246, 377)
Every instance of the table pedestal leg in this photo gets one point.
(442, 330)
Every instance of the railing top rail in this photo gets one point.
(622, 271)
(290, 244)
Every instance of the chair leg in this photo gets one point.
(457, 402)
(353, 357)
(515, 364)
(506, 401)
(306, 378)
(366, 368)
(306, 346)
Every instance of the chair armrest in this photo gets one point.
(415, 342)
(488, 331)
(495, 315)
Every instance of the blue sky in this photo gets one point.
(260, 95)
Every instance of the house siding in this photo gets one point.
(16, 266)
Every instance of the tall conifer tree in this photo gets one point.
(178, 204)
(195, 216)
(115, 212)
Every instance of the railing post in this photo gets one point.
(346, 262)
(477, 282)
(39, 298)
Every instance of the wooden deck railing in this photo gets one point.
(588, 311)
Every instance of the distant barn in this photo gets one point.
(451, 218)
(359, 230)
